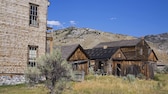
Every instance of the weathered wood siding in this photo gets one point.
(83, 67)
(142, 50)
(128, 49)
(118, 55)
(152, 57)
(132, 59)
(105, 65)
(77, 56)
(132, 67)
(123, 66)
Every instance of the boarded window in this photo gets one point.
(33, 16)
(32, 56)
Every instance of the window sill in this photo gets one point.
(37, 26)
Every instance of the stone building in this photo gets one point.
(22, 37)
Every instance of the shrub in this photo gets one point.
(90, 77)
(124, 78)
(56, 71)
(141, 76)
(130, 77)
(156, 78)
(32, 76)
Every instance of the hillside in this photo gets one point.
(88, 38)
(160, 45)
(160, 40)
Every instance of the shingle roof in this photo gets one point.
(68, 50)
(122, 43)
(100, 53)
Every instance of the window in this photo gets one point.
(32, 56)
(141, 51)
(33, 17)
(119, 54)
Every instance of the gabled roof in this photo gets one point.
(122, 43)
(67, 51)
(101, 53)
(155, 54)
(152, 51)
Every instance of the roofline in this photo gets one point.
(155, 54)
(140, 39)
(78, 46)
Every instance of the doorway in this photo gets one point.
(118, 69)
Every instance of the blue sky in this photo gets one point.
(130, 17)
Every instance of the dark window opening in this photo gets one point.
(100, 65)
(118, 69)
(33, 16)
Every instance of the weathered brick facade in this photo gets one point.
(16, 34)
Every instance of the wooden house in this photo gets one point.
(134, 57)
(101, 58)
(76, 56)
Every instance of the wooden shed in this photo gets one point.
(76, 56)
(134, 57)
(101, 58)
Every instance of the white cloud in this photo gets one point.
(72, 22)
(113, 18)
(54, 23)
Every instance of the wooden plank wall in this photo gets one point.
(77, 56)
(145, 67)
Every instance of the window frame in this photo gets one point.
(33, 15)
(32, 60)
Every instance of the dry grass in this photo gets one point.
(23, 89)
(115, 85)
(100, 85)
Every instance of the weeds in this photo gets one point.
(100, 85)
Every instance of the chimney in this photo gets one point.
(105, 47)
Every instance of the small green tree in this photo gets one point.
(131, 77)
(55, 69)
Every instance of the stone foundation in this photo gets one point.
(12, 80)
